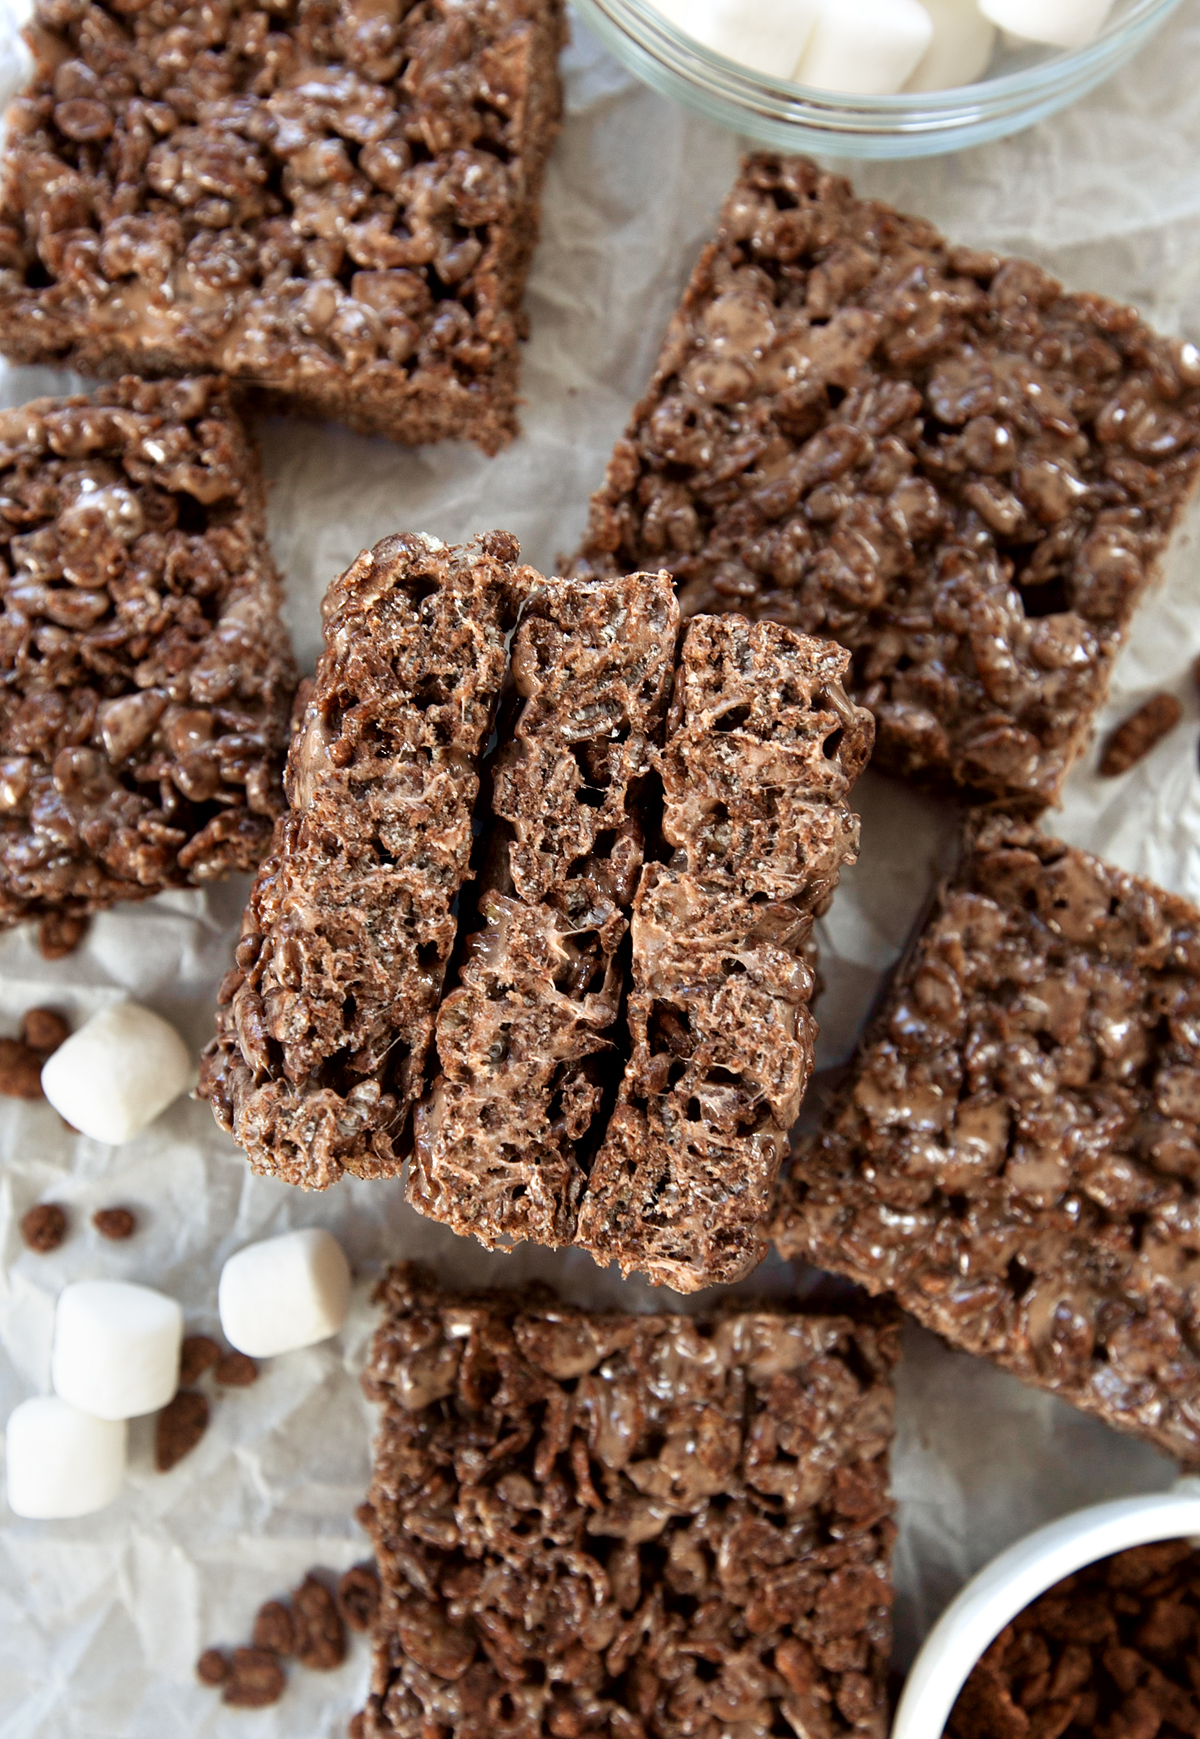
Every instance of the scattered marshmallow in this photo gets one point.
(867, 48)
(116, 1348)
(284, 1293)
(113, 1077)
(1061, 23)
(767, 36)
(963, 40)
(61, 1462)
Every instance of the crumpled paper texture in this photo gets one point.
(101, 1620)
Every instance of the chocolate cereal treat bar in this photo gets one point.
(627, 1525)
(1016, 1151)
(147, 674)
(330, 200)
(325, 1023)
(503, 1141)
(928, 453)
(762, 750)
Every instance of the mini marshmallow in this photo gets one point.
(1062, 23)
(284, 1293)
(113, 1077)
(865, 48)
(767, 36)
(61, 1462)
(116, 1348)
(963, 40)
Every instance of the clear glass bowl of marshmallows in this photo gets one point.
(875, 78)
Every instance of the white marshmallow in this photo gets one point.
(284, 1293)
(61, 1462)
(116, 1348)
(1062, 23)
(963, 40)
(865, 48)
(113, 1077)
(767, 36)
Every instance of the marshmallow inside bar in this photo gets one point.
(865, 47)
(116, 1348)
(61, 1462)
(111, 1079)
(284, 1293)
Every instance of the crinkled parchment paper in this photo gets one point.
(101, 1620)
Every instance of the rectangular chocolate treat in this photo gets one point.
(927, 453)
(324, 1025)
(762, 750)
(331, 200)
(1016, 1151)
(503, 1141)
(627, 1525)
(147, 674)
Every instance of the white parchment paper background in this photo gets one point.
(102, 1620)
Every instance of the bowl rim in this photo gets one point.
(655, 33)
(1019, 1575)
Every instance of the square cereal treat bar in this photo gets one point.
(147, 674)
(526, 1037)
(642, 1526)
(928, 453)
(762, 749)
(325, 1023)
(1016, 1151)
(328, 199)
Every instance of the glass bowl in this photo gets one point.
(1023, 86)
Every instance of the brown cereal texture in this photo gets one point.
(43, 1228)
(198, 1354)
(762, 748)
(1139, 733)
(180, 1426)
(1016, 1150)
(358, 1596)
(1109, 1651)
(254, 1680)
(331, 201)
(148, 677)
(927, 453)
(43, 1030)
(20, 1070)
(525, 1038)
(116, 1224)
(633, 1525)
(235, 1371)
(325, 1023)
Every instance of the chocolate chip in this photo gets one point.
(199, 1353)
(44, 1227)
(320, 1634)
(274, 1629)
(235, 1371)
(255, 1679)
(212, 1668)
(358, 1596)
(115, 1223)
(20, 1070)
(43, 1030)
(1139, 734)
(181, 1425)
